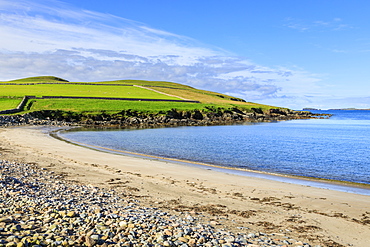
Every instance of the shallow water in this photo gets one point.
(335, 148)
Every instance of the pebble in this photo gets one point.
(39, 208)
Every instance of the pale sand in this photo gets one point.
(267, 206)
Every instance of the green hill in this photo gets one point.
(111, 97)
(39, 79)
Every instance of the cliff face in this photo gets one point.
(170, 118)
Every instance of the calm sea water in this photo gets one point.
(337, 148)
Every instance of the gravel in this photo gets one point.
(40, 208)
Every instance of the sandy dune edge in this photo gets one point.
(317, 215)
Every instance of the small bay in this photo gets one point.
(336, 148)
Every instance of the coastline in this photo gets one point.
(313, 214)
(343, 186)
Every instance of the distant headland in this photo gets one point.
(350, 109)
(336, 109)
(310, 109)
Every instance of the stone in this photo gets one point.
(182, 239)
(251, 235)
(71, 214)
(192, 242)
(49, 211)
(6, 219)
(90, 242)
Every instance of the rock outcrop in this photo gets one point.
(129, 118)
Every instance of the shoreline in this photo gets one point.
(172, 118)
(237, 203)
(338, 185)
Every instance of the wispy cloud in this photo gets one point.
(335, 24)
(339, 51)
(37, 27)
(50, 37)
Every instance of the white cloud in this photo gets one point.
(41, 28)
(52, 38)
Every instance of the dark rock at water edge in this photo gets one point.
(129, 118)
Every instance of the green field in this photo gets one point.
(11, 93)
(80, 90)
(9, 103)
(109, 106)
(52, 79)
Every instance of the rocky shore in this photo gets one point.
(170, 118)
(40, 208)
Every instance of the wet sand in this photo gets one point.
(317, 215)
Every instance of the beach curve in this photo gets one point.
(337, 216)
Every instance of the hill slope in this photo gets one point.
(125, 103)
(114, 96)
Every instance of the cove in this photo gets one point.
(333, 149)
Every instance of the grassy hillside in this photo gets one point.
(80, 90)
(9, 103)
(12, 92)
(39, 79)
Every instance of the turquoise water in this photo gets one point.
(336, 148)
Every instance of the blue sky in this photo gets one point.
(286, 53)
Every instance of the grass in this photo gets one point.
(81, 90)
(52, 79)
(7, 103)
(109, 106)
(53, 86)
(39, 79)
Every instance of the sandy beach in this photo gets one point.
(237, 203)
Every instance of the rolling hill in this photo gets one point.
(53, 93)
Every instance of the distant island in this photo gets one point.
(310, 109)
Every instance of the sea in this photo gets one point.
(335, 149)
